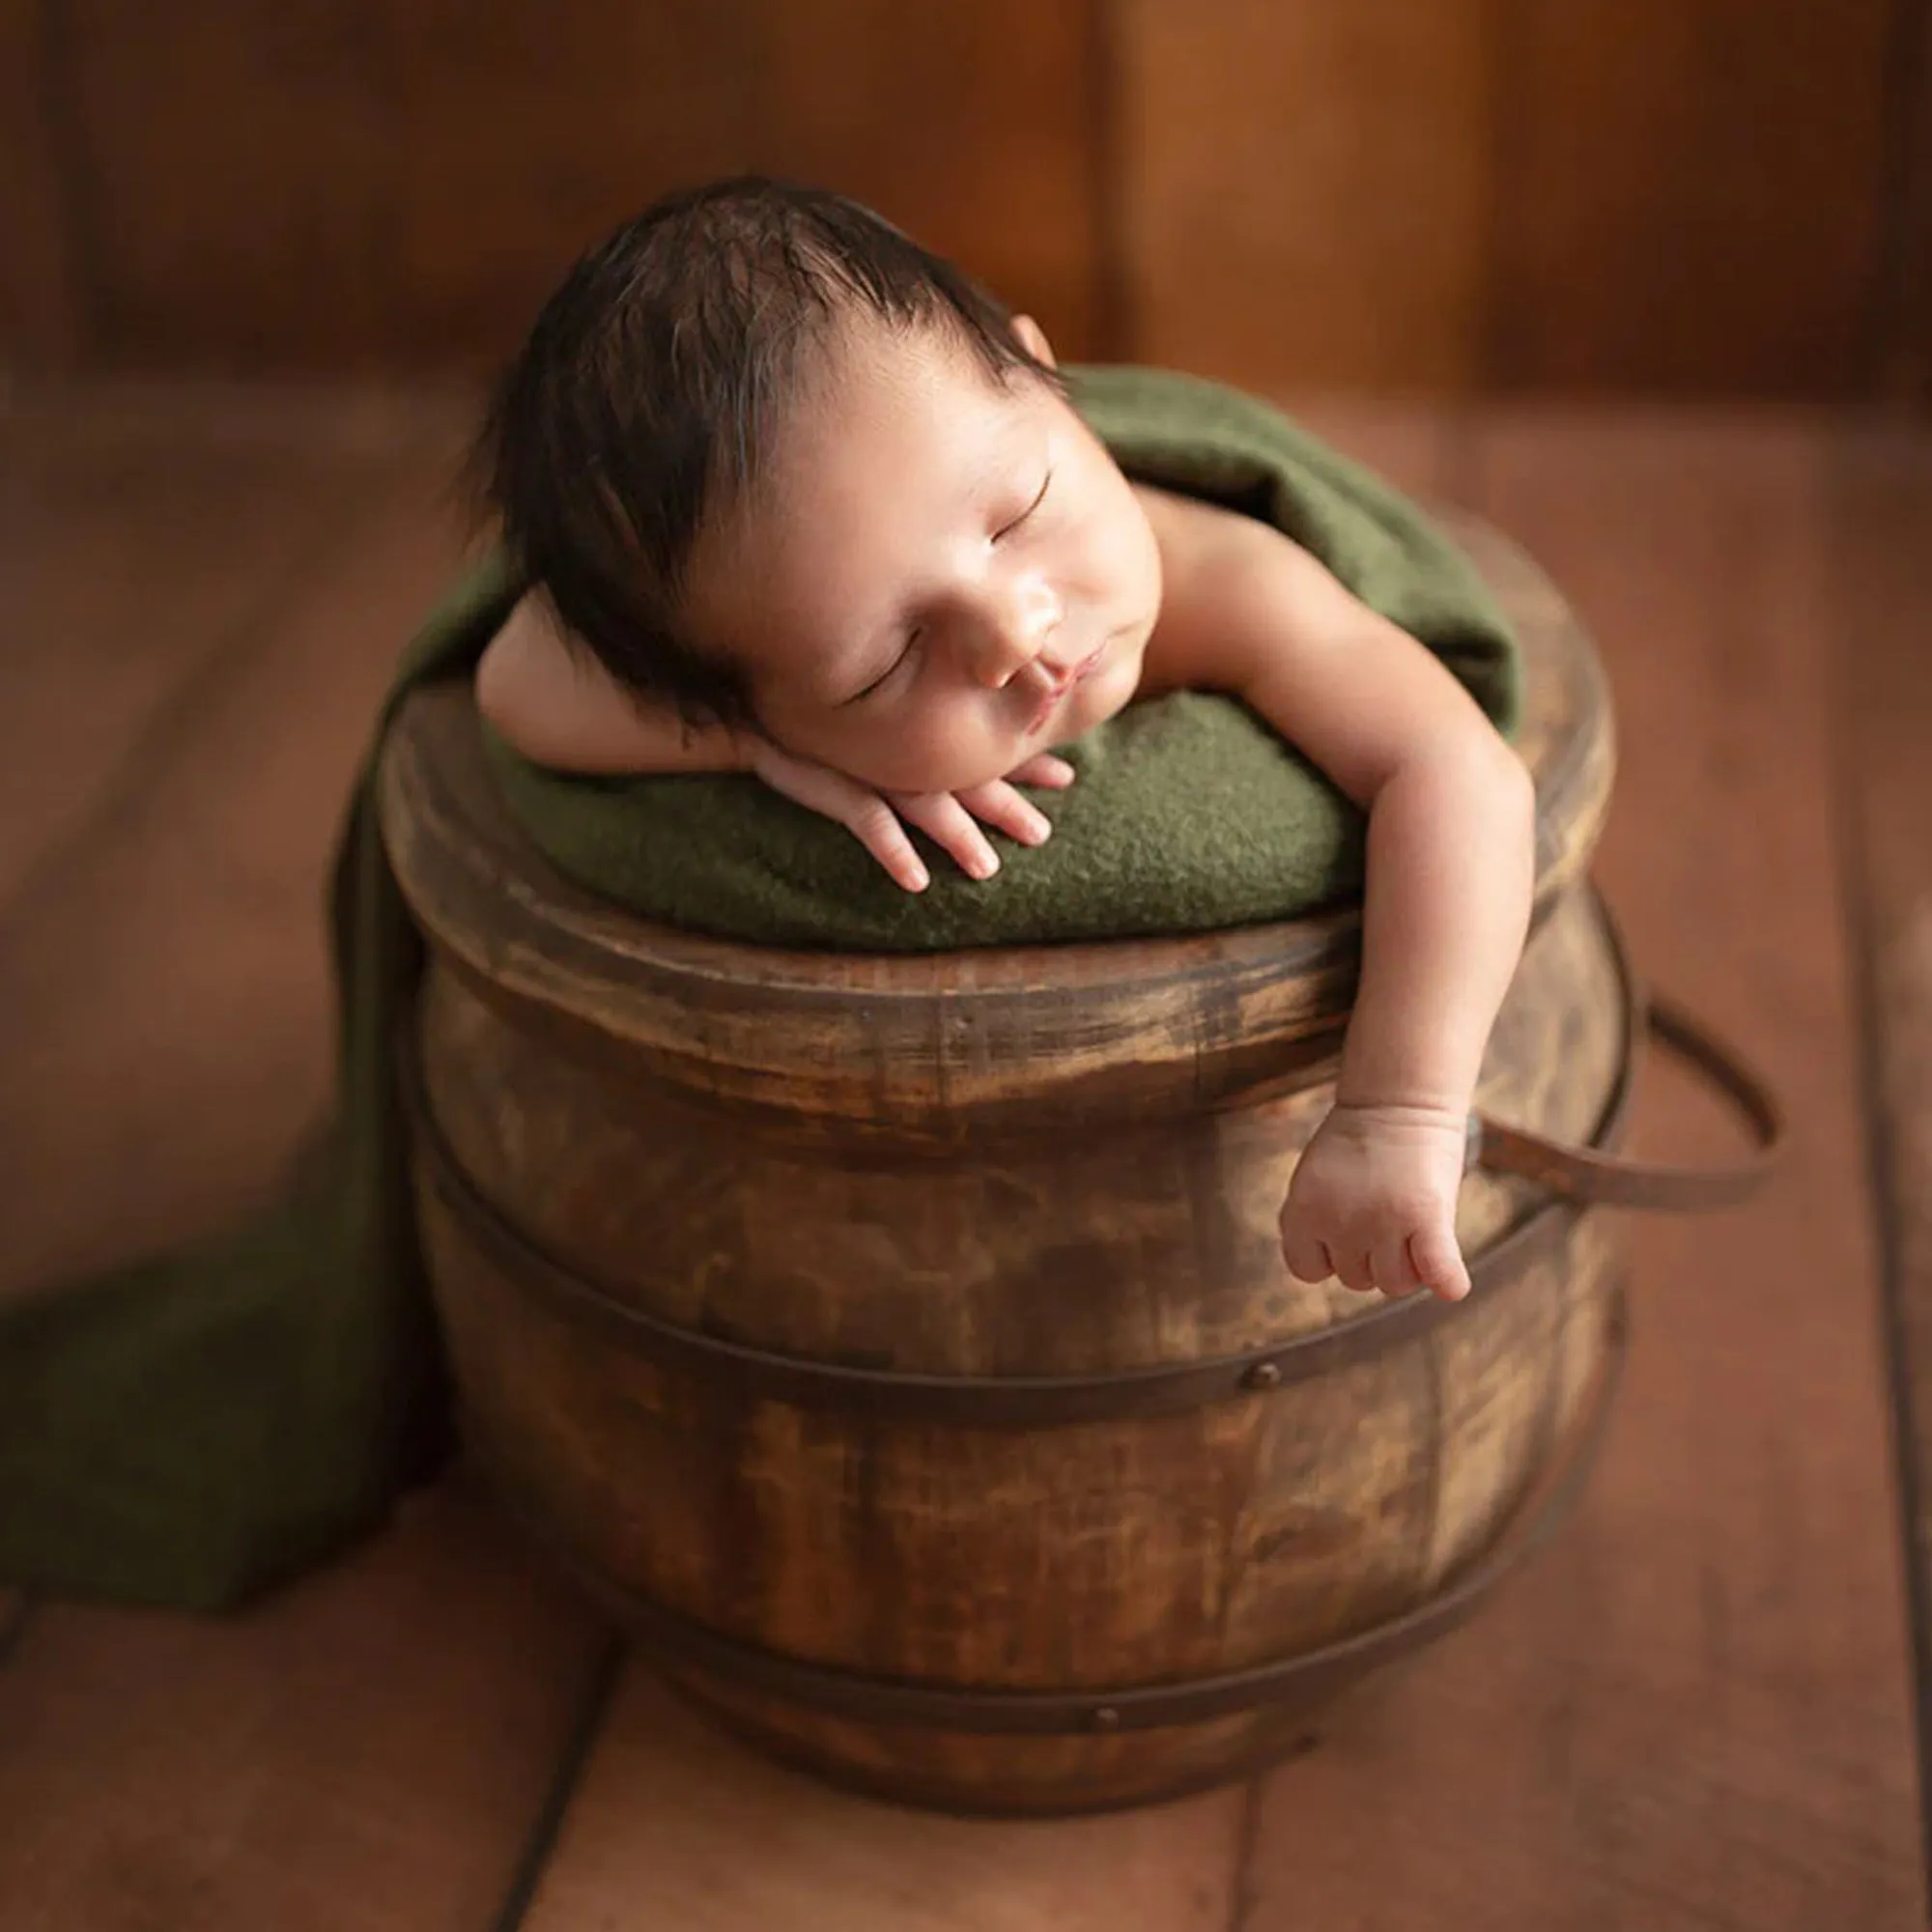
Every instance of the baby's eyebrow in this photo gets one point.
(1006, 461)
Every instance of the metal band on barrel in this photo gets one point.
(681, 1644)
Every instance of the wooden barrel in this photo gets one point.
(903, 1344)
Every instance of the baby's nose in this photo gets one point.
(1017, 630)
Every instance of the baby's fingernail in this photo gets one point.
(985, 864)
(915, 879)
(1036, 830)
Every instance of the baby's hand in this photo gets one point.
(1373, 1202)
(946, 817)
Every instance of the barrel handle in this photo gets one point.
(1596, 1177)
(1586, 1175)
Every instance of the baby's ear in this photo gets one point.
(1033, 339)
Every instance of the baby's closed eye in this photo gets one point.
(907, 647)
(1038, 496)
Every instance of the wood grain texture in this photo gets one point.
(240, 165)
(172, 966)
(1882, 514)
(1686, 196)
(1696, 1711)
(374, 1747)
(1903, 323)
(143, 543)
(1306, 190)
(523, 132)
(972, 126)
(1417, 445)
(1723, 196)
(42, 318)
(673, 1827)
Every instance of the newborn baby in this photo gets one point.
(794, 497)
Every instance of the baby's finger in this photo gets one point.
(1307, 1259)
(873, 824)
(1001, 807)
(1355, 1270)
(863, 813)
(1048, 773)
(1394, 1269)
(1437, 1260)
(948, 824)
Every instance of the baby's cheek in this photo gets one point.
(970, 742)
(908, 753)
(963, 751)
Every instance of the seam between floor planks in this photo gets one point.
(1245, 1897)
(1879, 1158)
(1860, 781)
(599, 1696)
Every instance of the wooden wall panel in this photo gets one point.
(977, 128)
(1711, 196)
(238, 157)
(527, 129)
(1903, 318)
(1688, 194)
(527, 135)
(40, 317)
(1306, 188)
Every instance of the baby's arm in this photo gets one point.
(1450, 875)
(560, 707)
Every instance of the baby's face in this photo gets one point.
(938, 578)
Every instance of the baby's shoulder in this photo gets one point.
(1234, 591)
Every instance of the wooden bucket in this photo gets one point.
(903, 1347)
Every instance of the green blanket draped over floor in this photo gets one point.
(194, 1428)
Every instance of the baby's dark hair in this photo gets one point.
(645, 396)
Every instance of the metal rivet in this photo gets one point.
(1263, 1376)
(1106, 1718)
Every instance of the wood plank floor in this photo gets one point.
(1700, 1710)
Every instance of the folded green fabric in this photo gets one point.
(192, 1428)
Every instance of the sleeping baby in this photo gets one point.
(796, 497)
